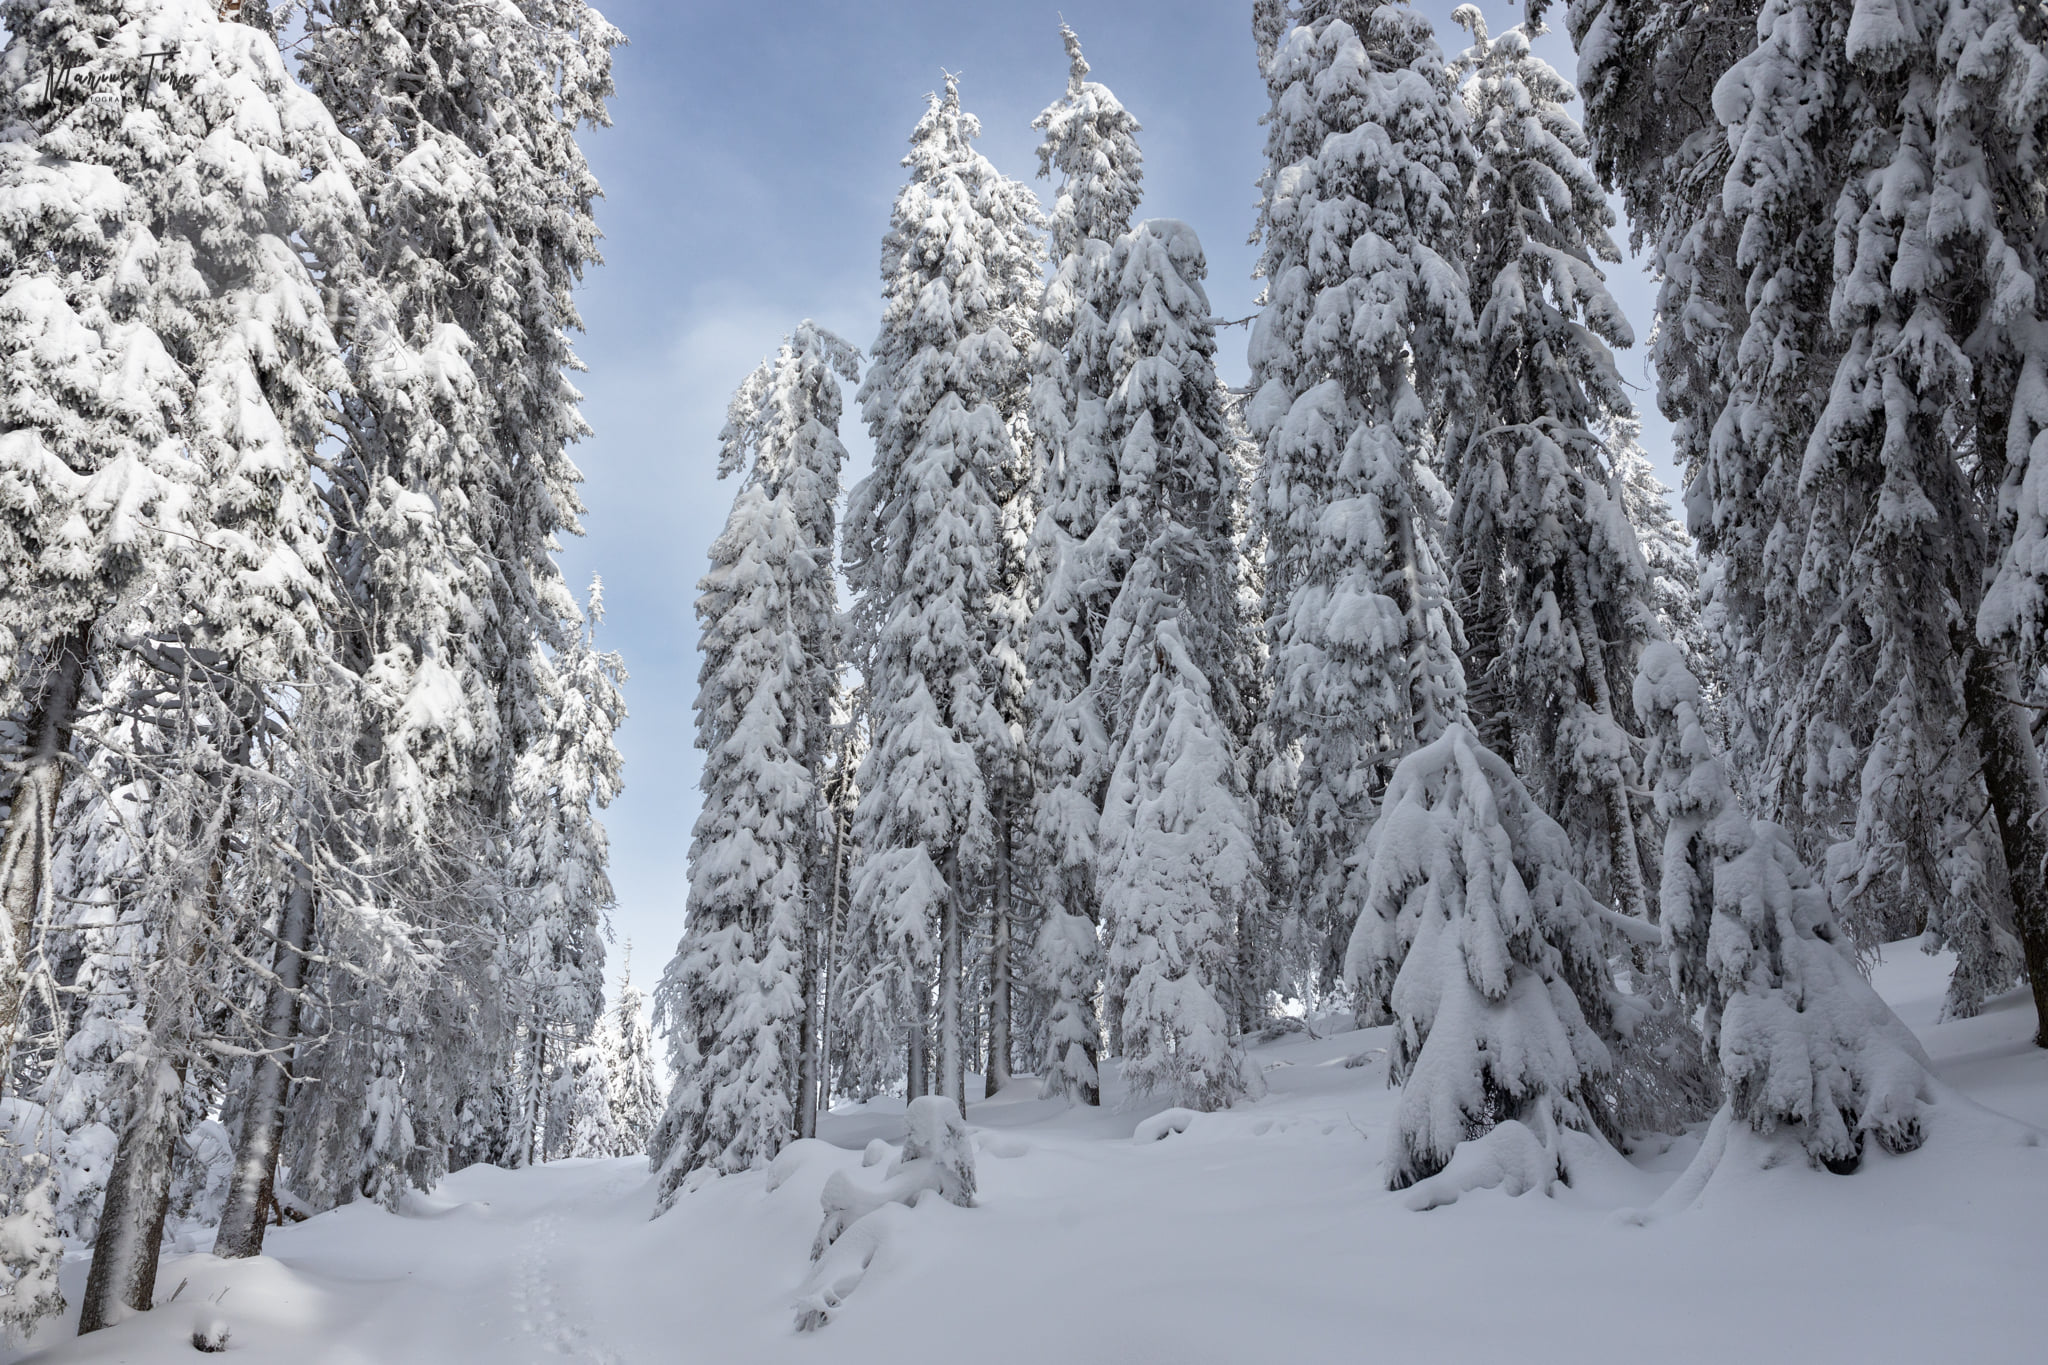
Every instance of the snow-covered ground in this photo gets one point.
(1260, 1234)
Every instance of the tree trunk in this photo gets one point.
(532, 1106)
(1625, 853)
(826, 980)
(31, 831)
(998, 1073)
(2019, 804)
(252, 1185)
(131, 1233)
(807, 1041)
(122, 1279)
(915, 1080)
(952, 1044)
(1248, 972)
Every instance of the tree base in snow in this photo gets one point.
(1732, 1150)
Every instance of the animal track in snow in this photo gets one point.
(537, 1296)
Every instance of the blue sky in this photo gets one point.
(748, 178)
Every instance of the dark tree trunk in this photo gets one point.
(252, 1185)
(1624, 854)
(131, 1233)
(831, 951)
(952, 1041)
(807, 1040)
(530, 1144)
(122, 1279)
(2019, 805)
(998, 1073)
(915, 1080)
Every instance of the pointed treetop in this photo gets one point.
(1090, 139)
(1077, 68)
(748, 418)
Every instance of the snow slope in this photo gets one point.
(1259, 1234)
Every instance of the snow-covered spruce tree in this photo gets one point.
(589, 1128)
(1939, 264)
(1490, 954)
(636, 1097)
(1178, 865)
(1647, 73)
(791, 431)
(469, 115)
(1360, 344)
(1822, 655)
(213, 268)
(1089, 140)
(1843, 499)
(90, 399)
(734, 1000)
(1176, 861)
(1553, 576)
(559, 852)
(1804, 1044)
(927, 559)
(1672, 585)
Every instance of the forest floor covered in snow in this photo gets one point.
(1264, 1233)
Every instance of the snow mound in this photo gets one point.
(1509, 1157)
(938, 1155)
(1164, 1124)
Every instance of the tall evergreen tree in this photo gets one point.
(1939, 310)
(474, 181)
(238, 366)
(734, 1001)
(558, 862)
(1672, 585)
(1089, 139)
(927, 558)
(1177, 860)
(1845, 359)
(1358, 350)
(91, 473)
(1554, 580)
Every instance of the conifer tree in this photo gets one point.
(558, 860)
(1939, 313)
(216, 270)
(636, 1096)
(1487, 951)
(928, 563)
(1555, 580)
(590, 1129)
(1804, 1045)
(1089, 139)
(734, 1001)
(91, 478)
(1360, 342)
(1672, 582)
(473, 178)
(1177, 862)
(1846, 500)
